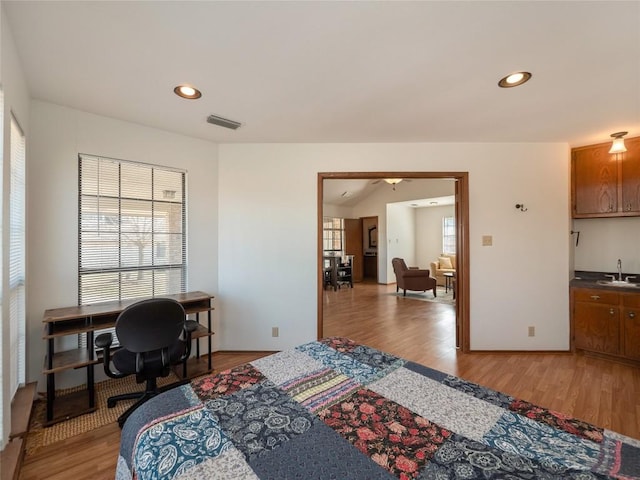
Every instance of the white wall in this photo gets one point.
(268, 267)
(401, 238)
(429, 233)
(16, 101)
(58, 134)
(605, 240)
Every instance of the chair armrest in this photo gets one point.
(104, 340)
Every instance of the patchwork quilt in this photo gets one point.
(334, 409)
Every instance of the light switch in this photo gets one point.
(487, 240)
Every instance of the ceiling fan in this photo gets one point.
(391, 181)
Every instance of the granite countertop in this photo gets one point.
(584, 279)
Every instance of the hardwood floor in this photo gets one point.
(598, 391)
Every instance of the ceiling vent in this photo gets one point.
(223, 122)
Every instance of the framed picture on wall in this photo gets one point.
(373, 236)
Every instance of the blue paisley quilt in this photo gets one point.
(334, 409)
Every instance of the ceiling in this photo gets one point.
(363, 71)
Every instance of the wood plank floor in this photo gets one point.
(598, 391)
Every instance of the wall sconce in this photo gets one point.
(618, 143)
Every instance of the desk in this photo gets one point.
(66, 321)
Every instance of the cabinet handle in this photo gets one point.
(632, 314)
(595, 297)
(612, 311)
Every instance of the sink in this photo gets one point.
(616, 283)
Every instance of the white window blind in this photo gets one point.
(4, 402)
(132, 238)
(17, 257)
(449, 235)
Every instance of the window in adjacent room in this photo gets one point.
(333, 235)
(449, 235)
(132, 230)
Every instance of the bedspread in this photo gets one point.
(334, 409)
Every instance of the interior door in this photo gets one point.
(353, 245)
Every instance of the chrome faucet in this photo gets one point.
(619, 270)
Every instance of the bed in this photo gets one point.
(335, 409)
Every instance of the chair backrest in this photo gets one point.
(150, 325)
(399, 266)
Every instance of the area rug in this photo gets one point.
(427, 296)
(40, 436)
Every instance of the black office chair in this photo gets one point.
(154, 335)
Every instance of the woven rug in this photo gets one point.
(40, 436)
(427, 296)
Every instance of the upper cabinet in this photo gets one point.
(605, 184)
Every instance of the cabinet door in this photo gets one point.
(630, 161)
(595, 181)
(631, 332)
(597, 327)
(353, 245)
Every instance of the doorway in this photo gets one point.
(461, 182)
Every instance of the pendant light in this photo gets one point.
(618, 143)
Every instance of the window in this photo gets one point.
(3, 401)
(333, 235)
(449, 235)
(16, 297)
(132, 238)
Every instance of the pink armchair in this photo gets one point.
(412, 278)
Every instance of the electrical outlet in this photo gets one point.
(274, 331)
(532, 331)
(487, 240)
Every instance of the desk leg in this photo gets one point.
(209, 337)
(90, 378)
(51, 395)
(51, 380)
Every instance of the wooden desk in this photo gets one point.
(61, 322)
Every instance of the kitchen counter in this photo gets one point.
(584, 279)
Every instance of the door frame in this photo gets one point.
(462, 240)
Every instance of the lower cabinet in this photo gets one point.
(606, 322)
(631, 326)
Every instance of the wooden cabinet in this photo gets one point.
(606, 322)
(353, 245)
(631, 326)
(604, 184)
(71, 321)
(371, 267)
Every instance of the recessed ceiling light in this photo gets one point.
(514, 79)
(188, 92)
